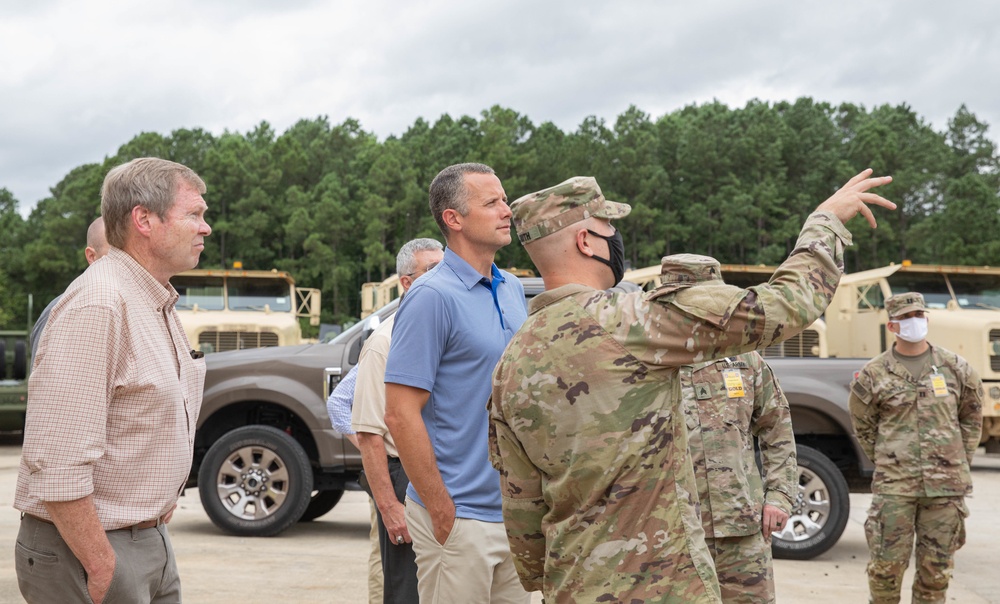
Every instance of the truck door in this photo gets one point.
(869, 322)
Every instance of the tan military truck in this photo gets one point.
(376, 294)
(965, 318)
(236, 309)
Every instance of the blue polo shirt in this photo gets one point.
(450, 331)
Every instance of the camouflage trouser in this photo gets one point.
(939, 524)
(744, 568)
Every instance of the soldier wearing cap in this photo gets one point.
(917, 411)
(586, 428)
(727, 403)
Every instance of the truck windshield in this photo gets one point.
(256, 294)
(976, 291)
(971, 291)
(205, 292)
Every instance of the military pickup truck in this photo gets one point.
(266, 455)
(235, 309)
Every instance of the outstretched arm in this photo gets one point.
(717, 320)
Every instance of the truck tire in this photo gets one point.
(20, 360)
(321, 503)
(255, 481)
(819, 512)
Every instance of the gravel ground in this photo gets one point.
(326, 560)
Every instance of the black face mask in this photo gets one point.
(616, 247)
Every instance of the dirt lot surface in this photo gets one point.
(325, 560)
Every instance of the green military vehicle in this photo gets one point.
(15, 365)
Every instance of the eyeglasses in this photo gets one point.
(421, 271)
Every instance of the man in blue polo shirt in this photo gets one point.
(450, 331)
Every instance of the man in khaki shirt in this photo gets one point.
(384, 473)
(113, 402)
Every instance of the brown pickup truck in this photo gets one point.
(266, 455)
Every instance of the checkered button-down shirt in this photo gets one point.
(113, 398)
(340, 402)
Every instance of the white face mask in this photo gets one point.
(913, 329)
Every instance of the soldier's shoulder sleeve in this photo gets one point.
(963, 370)
(973, 391)
(862, 387)
(861, 391)
(968, 373)
(951, 360)
(708, 302)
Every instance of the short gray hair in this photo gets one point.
(149, 182)
(406, 262)
(449, 192)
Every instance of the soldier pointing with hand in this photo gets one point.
(586, 427)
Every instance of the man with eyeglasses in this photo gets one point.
(917, 412)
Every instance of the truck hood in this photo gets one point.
(222, 360)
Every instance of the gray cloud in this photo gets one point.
(77, 80)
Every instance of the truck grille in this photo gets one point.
(221, 341)
(806, 344)
(995, 349)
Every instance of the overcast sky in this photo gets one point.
(79, 78)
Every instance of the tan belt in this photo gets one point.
(155, 522)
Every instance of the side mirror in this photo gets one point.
(370, 324)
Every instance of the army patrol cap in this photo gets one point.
(544, 212)
(689, 268)
(901, 304)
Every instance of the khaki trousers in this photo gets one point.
(47, 571)
(473, 565)
(374, 560)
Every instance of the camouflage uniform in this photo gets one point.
(586, 424)
(722, 424)
(921, 432)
